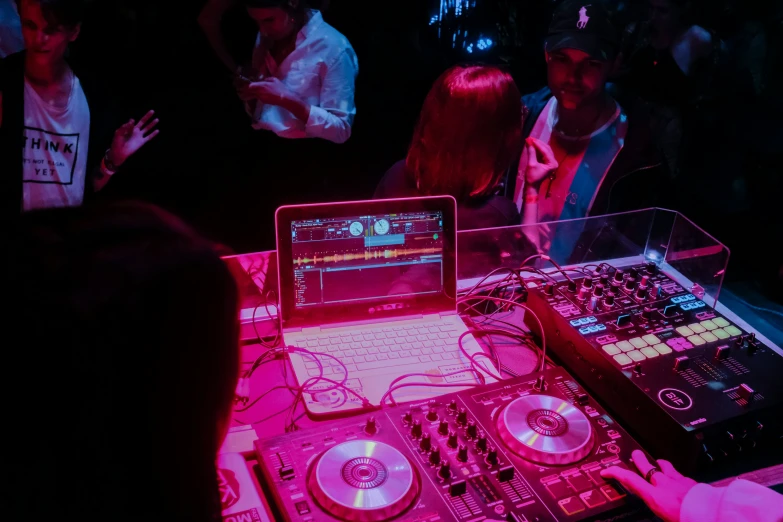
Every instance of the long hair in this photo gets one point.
(127, 358)
(468, 134)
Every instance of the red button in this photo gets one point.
(613, 492)
(571, 505)
(592, 498)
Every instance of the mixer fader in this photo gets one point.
(528, 449)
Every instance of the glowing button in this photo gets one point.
(610, 349)
(662, 349)
(696, 340)
(720, 333)
(697, 328)
(625, 346)
(707, 336)
(638, 342)
(636, 356)
(684, 331)
(721, 322)
(622, 359)
(733, 330)
(651, 339)
(709, 325)
(649, 352)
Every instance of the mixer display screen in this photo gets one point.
(345, 260)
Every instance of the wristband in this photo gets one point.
(111, 167)
(529, 200)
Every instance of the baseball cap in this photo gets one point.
(584, 26)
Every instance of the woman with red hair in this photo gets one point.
(467, 137)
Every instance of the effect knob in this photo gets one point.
(572, 286)
(633, 273)
(598, 290)
(426, 442)
(648, 312)
(416, 429)
(371, 427)
(452, 407)
(452, 440)
(407, 418)
(492, 456)
(462, 417)
(593, 304)
(605, 279)
(641, 293)
(651, 268)
(619, 275)
(656, 291)
(481, 443)
(587, 282)
(645, 280)
(583, 293)
(462, 453)
(435, 456)
(609, 300)
(630, 284)
(444, 471)
(432, 414)
(443, 427)
(472, 430)
(549, 288)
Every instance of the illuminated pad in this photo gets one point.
(709, 325)
(707, 336)
(650, 352)
(636, 356)
(651, 339)
(610, 349)
(733, 330)
(571, 505)
(625, 346)
(684, 331)
(622, 359)
(697, 328)
(662, 349)
(721, 322)
(720, 333)
(592, 498)
(637, 342)
(696, 340)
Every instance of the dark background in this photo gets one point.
(152, 54)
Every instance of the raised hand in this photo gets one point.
(132, 136)
(540, 161)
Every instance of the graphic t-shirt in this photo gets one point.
(54, 152)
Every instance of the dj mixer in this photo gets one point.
(527, 449)
(691, 385)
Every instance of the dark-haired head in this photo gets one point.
(277, 19)
(468, 133)
(125, 365)
(48, 26)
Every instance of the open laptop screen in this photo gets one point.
(351, 261)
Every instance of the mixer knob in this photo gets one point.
(462, 417)
(598, 290)
(452, 407)
(593, 304)
(637, 370)
(549, 288)
(572, 286)
(432, 414)
(452, 441)
(371, 427)
(605, 279)
(619, 275)
(435, 456)
(609, 300)
(462, 453)
(641, 293)
(583, 293)
(426, 442)
(644, 281)
(630, 284)
(722, 352)
(587, 282)
(651, 268)
(416, 429)
(656, 291)
(681, 363)
(407, 418)
(443, 427)
(633, 273)
(492, 456)
(472, 430)
(481, 443)
(648, 312)
(444, 471)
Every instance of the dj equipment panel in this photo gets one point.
(692, 386)
(527, 449)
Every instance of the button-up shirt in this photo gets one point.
(322, 71)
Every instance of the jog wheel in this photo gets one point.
(363, 481)
(545, 430)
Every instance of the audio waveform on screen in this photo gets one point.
(367, 255)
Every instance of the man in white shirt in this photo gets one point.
(305, 73)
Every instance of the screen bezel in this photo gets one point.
(317, 315)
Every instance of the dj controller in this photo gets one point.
(526, 449)
(690, 385)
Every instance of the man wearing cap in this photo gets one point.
(584, 154)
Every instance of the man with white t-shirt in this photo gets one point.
(584, 154)
(46, 116)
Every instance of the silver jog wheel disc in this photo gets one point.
(363, 481)
(545, 430)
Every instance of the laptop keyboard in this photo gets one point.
(388, 347)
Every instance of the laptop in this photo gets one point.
(372, 284)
